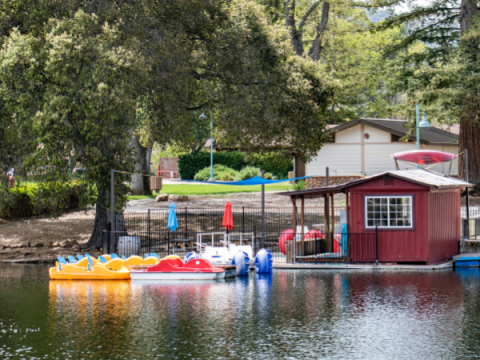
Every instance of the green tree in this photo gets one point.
(73, 91)
(444, 74)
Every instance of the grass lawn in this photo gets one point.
(187, 189)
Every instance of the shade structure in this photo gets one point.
(172, 218)
(227, 221)
(257, 180)
(424, 157)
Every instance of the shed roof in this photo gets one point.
(428, 136)
(424, 177)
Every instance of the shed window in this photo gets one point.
(388, 211)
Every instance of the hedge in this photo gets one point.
(218, 172)
(45, 199)
(276, 163)
(189, 165)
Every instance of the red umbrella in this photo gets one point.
(228, 217)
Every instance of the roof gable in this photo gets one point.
(423, 177)
(428, 136)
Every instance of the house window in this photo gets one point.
(388, 212)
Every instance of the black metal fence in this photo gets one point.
(470, 226)
(210, 219)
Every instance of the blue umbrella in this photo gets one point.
(172, 218)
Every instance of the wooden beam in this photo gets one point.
(294, 241)
(333, 223)
(348, 224)
(303, 222)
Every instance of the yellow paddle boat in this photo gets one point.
(115, 269)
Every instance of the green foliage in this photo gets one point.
(277, 163)
(227, 177)
(218, 172)
(45, 199)
(299, 185)
(268, 176)
(191, 164)
(247, 172)
(274, 162)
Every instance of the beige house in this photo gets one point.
(363, 147)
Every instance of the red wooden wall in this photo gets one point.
(410, 245)
(443, 224)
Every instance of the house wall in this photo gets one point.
(395, 245)
(343, 159)
(352, 154)
(443, 224)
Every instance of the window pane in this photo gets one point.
(389, 212)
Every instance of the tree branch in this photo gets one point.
(307, 14)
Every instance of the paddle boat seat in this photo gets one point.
(79, 257)
(114, 256)
(72, 259)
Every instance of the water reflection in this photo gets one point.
(290, 314)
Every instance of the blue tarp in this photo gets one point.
(257, 180)
(172, 223)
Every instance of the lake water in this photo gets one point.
(289, 315)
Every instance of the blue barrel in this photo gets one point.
(192, 255)
(242, 262)
(264, 262)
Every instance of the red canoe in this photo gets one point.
(424, 157)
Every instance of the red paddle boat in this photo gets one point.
(175, 269)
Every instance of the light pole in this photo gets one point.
(211, 149)
(211, 145)
(420, 124)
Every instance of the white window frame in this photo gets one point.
(388, 204)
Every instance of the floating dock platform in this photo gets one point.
(467, 260)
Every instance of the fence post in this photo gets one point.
(315, 248)
(148, 232)
(186, 219)
(168, 243)
(243, 218)
(376, 245)
(255, 237)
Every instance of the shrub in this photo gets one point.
(300, 185)
(189, 165)
(45, 199)
(218, 171)
(248, 172)
(276, 163)
(226, 177)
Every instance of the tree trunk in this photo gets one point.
(316, 47)
(295, 35)
(101, 220)
(469, 124)
(141, 184)
(470, 140)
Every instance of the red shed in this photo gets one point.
(415, 214)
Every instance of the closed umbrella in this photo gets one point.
(172, 218)
(227, 221)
